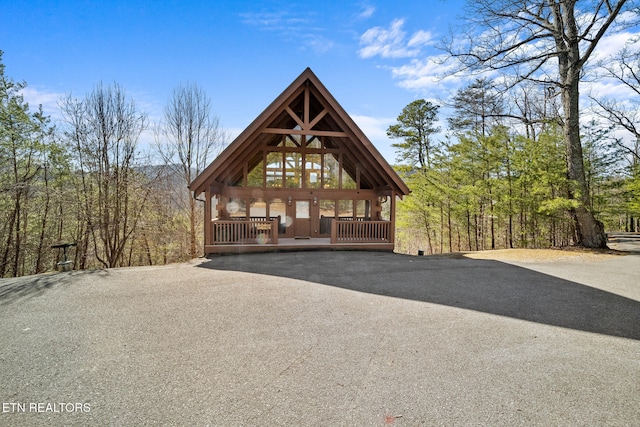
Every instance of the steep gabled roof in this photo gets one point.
(330, 121)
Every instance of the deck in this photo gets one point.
(262, 235)
(297, 245)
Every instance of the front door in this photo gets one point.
(302, 219)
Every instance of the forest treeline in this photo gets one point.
(519, 167)
(498, 182)
(492, 182)
(519, 164)
(85, 179)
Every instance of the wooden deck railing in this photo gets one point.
(361, 231)
(244, 232)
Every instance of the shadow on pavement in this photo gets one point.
(480, 285)
(23, 287)
(626, 242)
(13, 289)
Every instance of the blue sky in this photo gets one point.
(372, 55)
(243, 53)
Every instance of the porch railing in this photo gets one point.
(245, 232)
(360, 231)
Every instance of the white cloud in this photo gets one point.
(294, 27)
(280, 20)
(434, 75)
(430, 75)
(609, 88)
(48, 100)
(427, 76)
(610, 45)
(367, 12)
(391, 42)
(318, 43)
(374, 127)
(420, 38)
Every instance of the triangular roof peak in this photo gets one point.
(304, 108)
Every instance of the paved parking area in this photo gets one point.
(325, 338)
(628, 242)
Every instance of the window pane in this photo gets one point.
(214, 208)
(327, 213)
(294, 170)
(347, 181)
(302, 209)
(313, 170)
(345, 209)
(292, 140)
(331, 171)
(257, 208)
(328, 208)
(274, 170)
(278, 208)
(386, 209)
(313, 142)
(255, 177)
(237, 180)
(363, 209)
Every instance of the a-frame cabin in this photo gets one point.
(301, 176)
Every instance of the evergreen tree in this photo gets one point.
(477, 108)
(33, 169)
(416, 126)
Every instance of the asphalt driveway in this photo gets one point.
(325, 338)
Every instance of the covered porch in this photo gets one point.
(264, 235)
(301, 176)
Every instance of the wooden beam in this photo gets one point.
(304, 132)
(318, 118)
(295, 117)
(215, 187)
(207, 217)
(392, 237)
(307, 102)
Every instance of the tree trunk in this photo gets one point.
(4, 262)
(475, 220)
(43, 224)
(17, 242)
(449, 231)
(426, 226)
(589, 231)
(492, 220)
(441, 228)
(469, 228)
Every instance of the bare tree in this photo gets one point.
(624, 69)
(547, 42)
(187, 139)
(103, 130)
